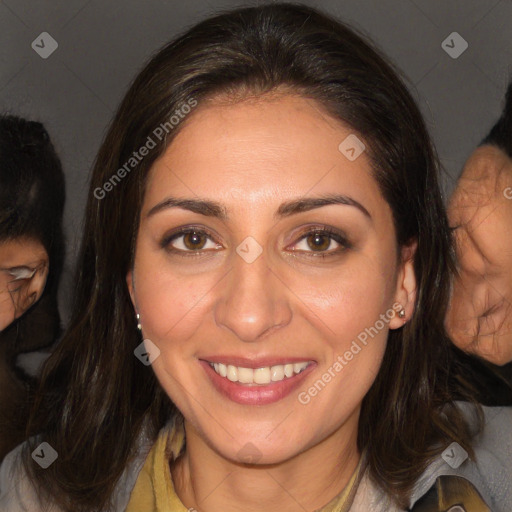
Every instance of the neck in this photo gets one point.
(206, 481)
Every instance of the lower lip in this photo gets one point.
(258, 394)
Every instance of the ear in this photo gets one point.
(405, 295)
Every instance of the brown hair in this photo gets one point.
(97, 394)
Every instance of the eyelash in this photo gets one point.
(320, 230)
(330, 233)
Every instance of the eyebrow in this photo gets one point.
(214, 209)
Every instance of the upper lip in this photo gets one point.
(260, 362)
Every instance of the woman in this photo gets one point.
(31, 254)
(258, 321)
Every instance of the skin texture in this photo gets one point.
(479, 318)
(252, 156)
(17, 295)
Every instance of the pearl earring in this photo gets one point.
(139, 326)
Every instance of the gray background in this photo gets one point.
(102, 45)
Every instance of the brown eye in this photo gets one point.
(318, 241)
(322, 242)
(194, 240)
(189, 241)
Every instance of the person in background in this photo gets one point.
(479, 318)
(32, 195)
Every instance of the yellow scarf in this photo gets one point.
(154, 490)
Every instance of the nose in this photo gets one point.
(253, 301)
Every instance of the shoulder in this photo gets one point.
(490, 474)
(18, 494)
(126, 483)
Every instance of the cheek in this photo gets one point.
(351, 318)
(170, 305)
(350, 311)
(349, 300)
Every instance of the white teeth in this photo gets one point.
(298, 367)
(277, 373)
(264, 375)
(232, 373)
(245, 375)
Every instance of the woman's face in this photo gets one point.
(255, 290)
(23, 274)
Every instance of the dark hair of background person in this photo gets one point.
(32, 195)
(32, 192)
(500, 134)
(97, 396)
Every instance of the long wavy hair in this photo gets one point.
(97, 396)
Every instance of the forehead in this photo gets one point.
(261, 150)
(22, 251)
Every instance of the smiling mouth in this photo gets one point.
(264, 375)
